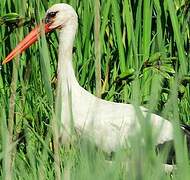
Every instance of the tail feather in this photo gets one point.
(186, 129)
(169, 145)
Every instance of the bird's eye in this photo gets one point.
(52, 14)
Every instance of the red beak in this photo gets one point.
(30, 39)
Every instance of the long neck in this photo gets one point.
(66, 40)
(66, 77)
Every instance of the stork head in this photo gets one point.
(60, 15)
(57, 17)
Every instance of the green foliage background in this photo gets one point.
(144, 59)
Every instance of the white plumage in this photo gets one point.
(108, 124)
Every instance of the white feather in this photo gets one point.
(108, 124)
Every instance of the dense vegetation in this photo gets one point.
(125, 51)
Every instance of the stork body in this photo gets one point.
(108, 124)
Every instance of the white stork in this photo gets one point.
(108, 124)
